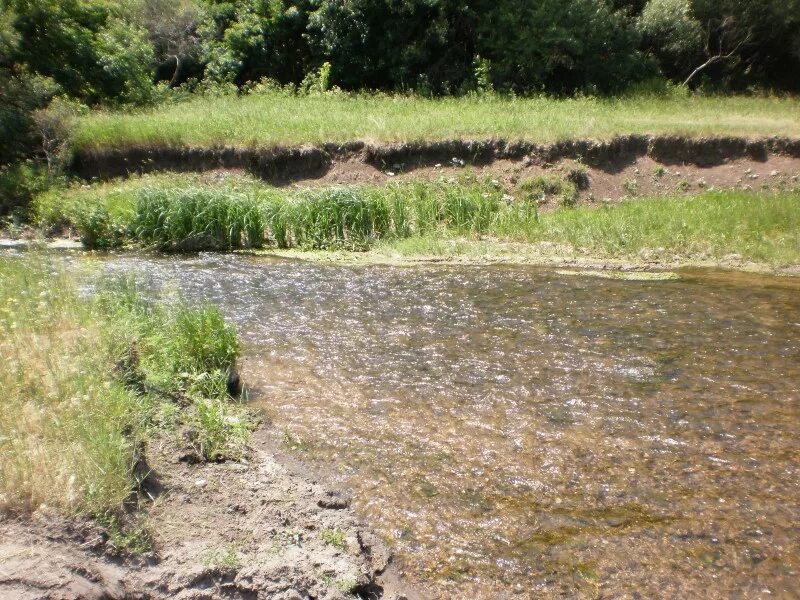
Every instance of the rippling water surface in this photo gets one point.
(518, 433)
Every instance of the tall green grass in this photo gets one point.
(87, 381)
(195, 219)
(196, 216)
(354, 218)
(187, 214)
(280, 118)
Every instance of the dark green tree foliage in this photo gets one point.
(251, 39)
(770, 34)
(559, 45)
(110, 51)
(395, 44)
(88, 51)
(671, 33)
(20, 94)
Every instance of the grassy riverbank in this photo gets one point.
(88, 382)
(447, 217)
(276, 117)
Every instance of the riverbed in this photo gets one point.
(520, 432)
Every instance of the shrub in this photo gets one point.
(19, 184)
(98, 230)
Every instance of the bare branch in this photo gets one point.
(722, 30)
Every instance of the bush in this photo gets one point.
(19, 184)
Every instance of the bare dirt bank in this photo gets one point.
(288, 164)
(263, 528)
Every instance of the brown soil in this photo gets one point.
(643, 177)
(624, 167)
(285, 165)
(251, 529)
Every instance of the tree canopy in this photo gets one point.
(113, 51)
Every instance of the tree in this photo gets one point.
(671, 32)
(172, 28)
(723, 41)
(771, 53)
(21, 93)
(246, 40)
(389, 44)
(90, 52)
(558, 45)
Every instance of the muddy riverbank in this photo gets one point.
(288, 164)
(266, 527)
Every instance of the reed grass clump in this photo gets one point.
(339, 217)
(354, 218)
(86, 380)
(189, 215)
(197, 219)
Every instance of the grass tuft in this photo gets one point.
(86, 382)
(541, 188)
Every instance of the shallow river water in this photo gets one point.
(513, 432)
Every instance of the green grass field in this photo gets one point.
(280, 118)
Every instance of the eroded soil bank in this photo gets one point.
(262, 528)
(292, 164)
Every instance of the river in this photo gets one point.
(516, 432)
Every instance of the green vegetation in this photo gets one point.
(541, 188)
(88, 382)
(762, 228)
(335, 538)
(275, 117)
(708, 227)
(447, 217)
(184, 214)
(197, 218)
(88, 74)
